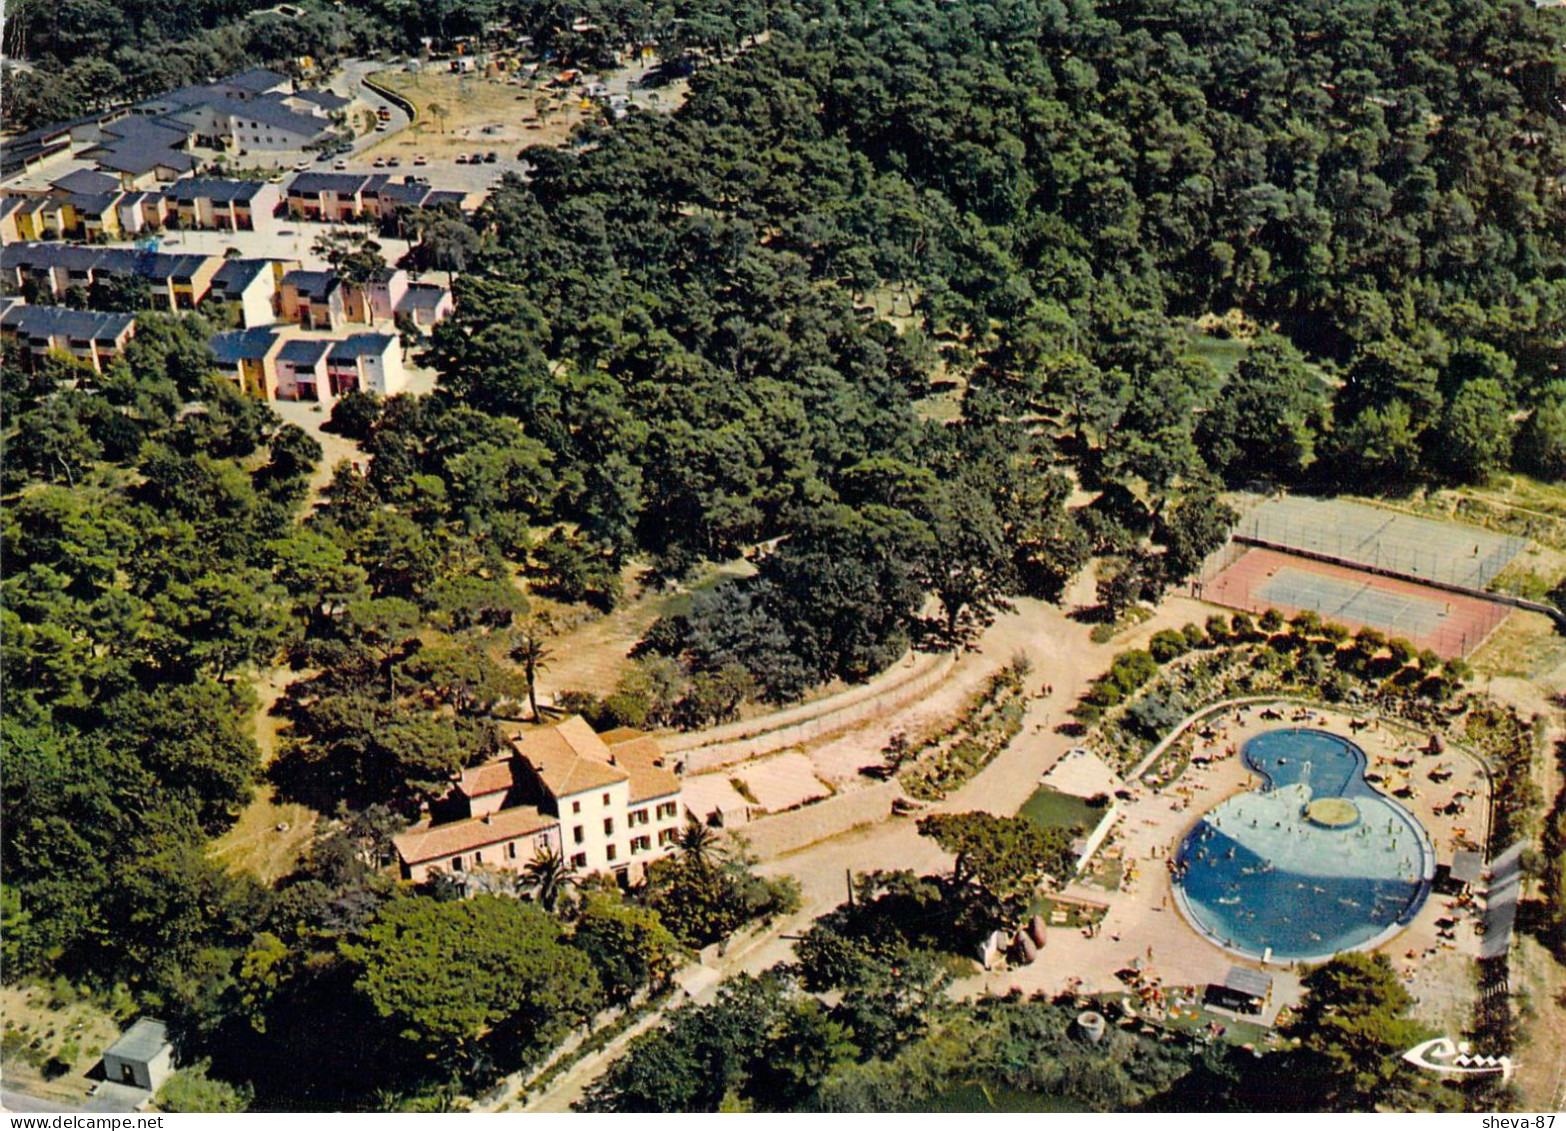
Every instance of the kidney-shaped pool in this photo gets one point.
(1313, 863)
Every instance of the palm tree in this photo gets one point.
(549, 874)
(698, 843)
(534, 655)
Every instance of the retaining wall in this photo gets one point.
(782, 833)
(737, 742)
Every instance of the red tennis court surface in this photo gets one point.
(1449, 624)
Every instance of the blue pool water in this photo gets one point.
(1256, 873)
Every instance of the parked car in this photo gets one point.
(491, 157)
(380, 162)
(301, 166)
(393, 162)
(339, 164)
(420, 159)
(380, 127)
(324, 155)
(462, 159)
(475, 158)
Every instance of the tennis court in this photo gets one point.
(1449, 624)
(1419, 548)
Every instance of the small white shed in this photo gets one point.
(142, 1057)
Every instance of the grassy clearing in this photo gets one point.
(52, 1039)
(1541, 998)
(590, 651)
(1512, 504)
(1525, 646)
(1223, 354)
(480, 113)
(1053, 809)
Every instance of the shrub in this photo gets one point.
(1271, 621)
(1167, 645)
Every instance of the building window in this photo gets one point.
(606, 801)
(478, 858)
(667, 810)
(579, 860)
(609, 853)
(666, 836)
(456, 863)
(637, 817)
(577, 835)
(511, 851)
(576, 806)
(640, 844)
(608, 826)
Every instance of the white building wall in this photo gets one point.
(594, 833)
(385, 374)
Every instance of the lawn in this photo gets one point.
(1055, 810)
(1223, 354)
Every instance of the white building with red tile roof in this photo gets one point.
(606, 803)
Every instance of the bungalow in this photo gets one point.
(301, 370)
(142, 211)
(87, 335)
(95, 216)
(326, 196)
(312, 299)
(9, 206)
(225, 205)
(425, 304)
(40, 218)
(606, 802)
(86, 181)
(141, 151)
(369, 362)
(247, 289)
(68, 216)
(249, 359)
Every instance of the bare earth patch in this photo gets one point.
(49, 1029)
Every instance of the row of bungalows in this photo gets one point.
(88, 205)
(252, 292)
(233, 206)
(277, 363)
(92, 337)
(179, 282)
(361, 196)
(321, 300)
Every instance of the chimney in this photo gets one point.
(488, 818)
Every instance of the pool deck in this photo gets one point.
(1143, 923)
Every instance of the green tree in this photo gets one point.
(1004, 857)
(629, 946)
(1476, 431)
(191, 1089)
(516, 971)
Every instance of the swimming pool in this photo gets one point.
(1313, 863)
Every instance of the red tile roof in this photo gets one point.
(424, 842)
(569, 757)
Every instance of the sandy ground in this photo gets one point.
(1541, 1071)
(26, 1009)
(269, 837)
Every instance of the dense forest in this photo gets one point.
(712, 334)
